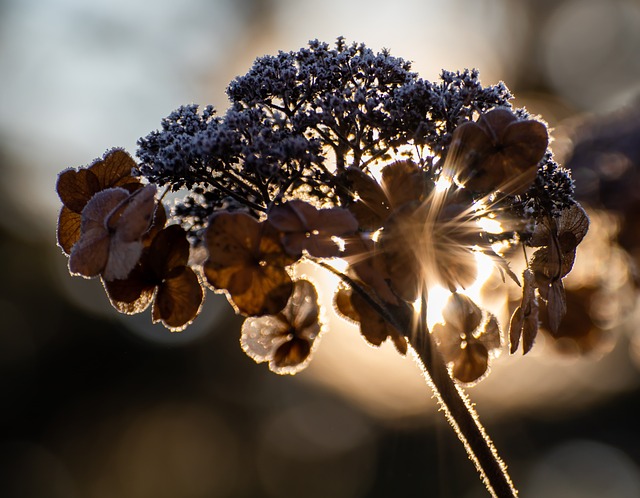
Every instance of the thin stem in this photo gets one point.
(454, 402)
(460, 412)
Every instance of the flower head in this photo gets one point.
(112, 225)
(498, 152)
(76, 187)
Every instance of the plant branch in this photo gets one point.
(460, 412)
(458, 409)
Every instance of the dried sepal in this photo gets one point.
(368, 265)
(466, 338)
(306, 228)
(247, 259)
(402, 182)
(524, 321)
(111, 228)
(373, 327)
(285, 339)
(498, 152)
(558, 239)
(76, 187)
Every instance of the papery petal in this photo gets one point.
(461, 313)
(131, 295)
(260, 336)
(291, 357)
(371, 206)
(68, 229)
(137, 215)
(90, 254)
(75, 188)
(169, 249)
(402, 182)
(178, 300)
(556, 305)
(472, 363)
(123, 257)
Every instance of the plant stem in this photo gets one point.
(458, 409)
(460, 412)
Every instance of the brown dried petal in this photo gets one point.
(524, 321)
(307, 228)
(369, 266)
(373, 326)
(178, 300)
(402, 182)
(133, 294)
(461, 313)
(68, 229)
(90, 254)
(371, 207)
(556, 305)
(75, 188)
(498, 152)
(472, 363)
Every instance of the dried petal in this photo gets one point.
(373, 326)
(524, 321)
(306, 228)
(371, 206)
(178, 299)
(68, 229)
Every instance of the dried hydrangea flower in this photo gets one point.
(247, 259)
(558, 239)
(112, 226)
(467, 337)
(164, 277)
(285, 339)
(76, 187)
(306, 228)
(498, 152)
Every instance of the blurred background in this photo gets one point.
(97, 406)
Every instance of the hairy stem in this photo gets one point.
(458, 409)
(460, 412)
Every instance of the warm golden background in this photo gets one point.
(95, 406)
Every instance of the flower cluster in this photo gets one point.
(325, 154)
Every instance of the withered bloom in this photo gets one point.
(373, 327)
(402, 182)
(111, 229)
(285, 339)
(524, 321)
(306, 228)
(76, 187)
(247, 259)
(431, 242)
(164, 277)
(558, 239)
(498, 152)
(466, 337)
